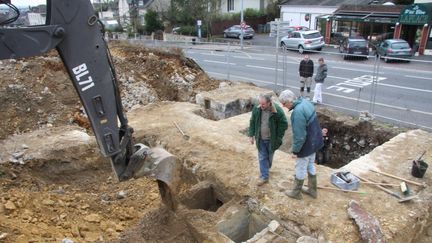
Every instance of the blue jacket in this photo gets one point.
(307, 134)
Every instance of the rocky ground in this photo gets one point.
(37, 92)
(55, 185)
(46, 201)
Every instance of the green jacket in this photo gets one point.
(278, 124)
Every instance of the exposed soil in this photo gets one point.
(350, 138)
(49, 201)
(52, 200)
(37, 92)
(76, 197)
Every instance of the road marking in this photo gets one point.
(245, 54)
(358, 82)
(337, 77)
(218, 62)
(335, 95)
(354, 83)
(355, 69)
(380, 104)
(249, 58)
(403, 87)
(244, 78)
(211, 54)
(410, 76)
(267, 68)
(288, 62)
(385, 117)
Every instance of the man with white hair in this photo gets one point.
(267, 128)
(307, 140)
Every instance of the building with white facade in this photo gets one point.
(233, 6)
(124, 13)
(296, 11)
(35, 19)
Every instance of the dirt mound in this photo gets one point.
(43, 202)
(37, 92)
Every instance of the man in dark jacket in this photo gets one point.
(307, 140)
(267, 128)
(306, 70)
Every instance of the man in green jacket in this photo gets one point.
(267, 129)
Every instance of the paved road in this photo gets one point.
(403, 93)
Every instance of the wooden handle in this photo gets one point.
(381, 184)
(380, 187)
(397, 177)
(341, 190)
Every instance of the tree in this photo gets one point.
(273, 10)
(187, 12)
(152, 21)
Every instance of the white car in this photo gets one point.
(303, 40)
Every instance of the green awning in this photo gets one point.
(417, 14)
(366, 17)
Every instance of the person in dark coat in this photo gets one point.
(306, 70)
(323, 155)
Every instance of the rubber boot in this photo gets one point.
(312, 186)
(296, 192)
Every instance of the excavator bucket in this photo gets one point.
(162, 166)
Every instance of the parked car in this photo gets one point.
(176, 30)
(303, 40)
(354, 47)
(395, 48)
(296, 28)
(235, 32)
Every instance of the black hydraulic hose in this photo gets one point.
(14, 8)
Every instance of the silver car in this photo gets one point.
(303, 40)
(396, 48)
(235, 31)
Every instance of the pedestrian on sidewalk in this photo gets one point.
(267, 129)
(306, 70)
(307, 140)
(319, 80)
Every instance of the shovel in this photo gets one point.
(401, 199)
(185, 136)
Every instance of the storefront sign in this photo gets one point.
(416, 14)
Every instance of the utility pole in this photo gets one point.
(241, 25)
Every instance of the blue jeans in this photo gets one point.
(265, 157)
(305, 165)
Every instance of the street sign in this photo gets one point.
(243, 25)
(199, 22)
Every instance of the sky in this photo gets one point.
(28, 2)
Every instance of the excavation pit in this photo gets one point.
(242, 225)
(229, 101)
(351, 139)
(203, 197)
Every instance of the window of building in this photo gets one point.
(230, 5)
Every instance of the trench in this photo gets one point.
(207, 208)
(347, 140)
(351, 140)
(216, 111)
